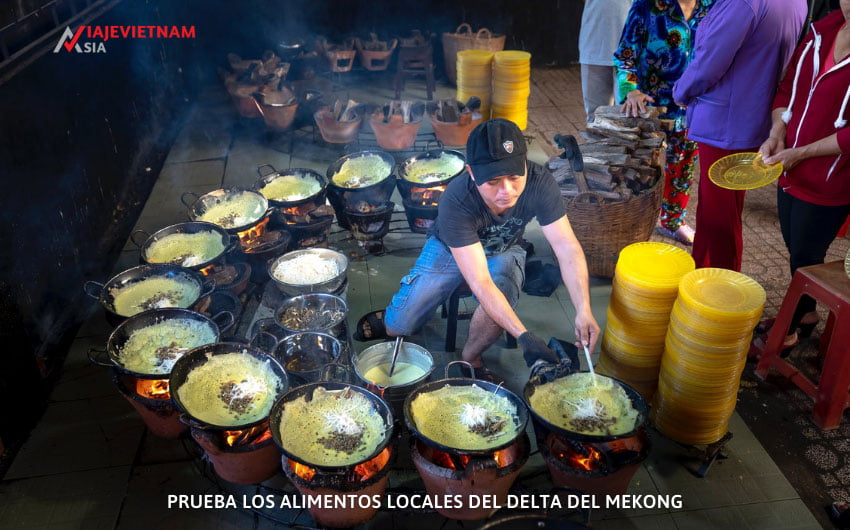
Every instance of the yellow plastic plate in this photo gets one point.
(743, 171)
(721, 292)
(653, 265)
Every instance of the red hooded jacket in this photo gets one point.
(817, 103)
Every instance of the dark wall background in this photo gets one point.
(82, 138)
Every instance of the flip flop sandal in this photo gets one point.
(485, 374)
(760, 341)
(371, 327)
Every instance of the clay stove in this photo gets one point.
(420, 205)
(368, 222)
(152, 400)
(247, 456)
(593, 467)
(259, 244)
(363, 481)
(458, 474)
(308, 224)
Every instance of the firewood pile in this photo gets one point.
(453, 111)
(622, 156)
(343, 111)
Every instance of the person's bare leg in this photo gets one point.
(483, 332)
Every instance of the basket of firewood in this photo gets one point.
(612, 183)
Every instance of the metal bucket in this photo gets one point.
(381, 354)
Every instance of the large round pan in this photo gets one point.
(268, 178)
(125, 330)
(200, 356)
(258, 206)
(228, 242)
(499, 390)
(404, 167)
(381, 408)
(105, 293)
(637, 402)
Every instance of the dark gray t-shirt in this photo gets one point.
(464, 218)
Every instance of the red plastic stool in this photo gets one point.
(829, 285)
(843, 230)
(452, 314)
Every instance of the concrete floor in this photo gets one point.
(91, 463)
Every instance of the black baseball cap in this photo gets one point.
(496, 148)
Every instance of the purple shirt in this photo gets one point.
(742, 48)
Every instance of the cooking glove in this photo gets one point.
(547, 371)
(534, 349)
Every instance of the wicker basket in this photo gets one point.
(604, 229)
(464, 39)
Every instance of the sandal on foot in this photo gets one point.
(371, 327)
(684, 234)
(764, 326)
(483, 373)
(760, 341)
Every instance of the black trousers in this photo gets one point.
(808, 229)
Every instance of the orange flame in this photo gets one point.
(153, 388)
(249, 237)
(370, 468)
(304, 472)
(255, 434)
(503, 458)
(209, 270)
(591, 461)
(427, 196)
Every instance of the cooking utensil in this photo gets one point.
(200, 356)
(256, 205)
(327, 286)
(405, 167)
(105, 293)
(637, 402)
(743, 171)
(342, 198)
(195, 227)
(302, 173)
(396, 348)
(125, 330)
(499, 390)
(306, 391)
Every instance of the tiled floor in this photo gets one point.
(91, 464)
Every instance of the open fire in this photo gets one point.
(426, 196)
(259, 238)
(503, 458)
(255, 434)
(153, 388)
(360, 473)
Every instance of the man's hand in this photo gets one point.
(635, 103)
(534, 349)
(587, 330)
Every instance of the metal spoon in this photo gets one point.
(396, 349)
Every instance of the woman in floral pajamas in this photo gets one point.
(655, 47)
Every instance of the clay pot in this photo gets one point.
(395, 135)
(336, 132)
(277, 113)
(454, 134)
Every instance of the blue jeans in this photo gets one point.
(435, 276)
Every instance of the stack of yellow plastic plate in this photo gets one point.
(511, 86)
(704, 354)
(645, 286)
(474, 72)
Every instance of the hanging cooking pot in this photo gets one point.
(166, 335)
(149, 287)
(227, 385)
(519, 421)
(308, 400)
(291, 187)
(353, 190)
(193, 245)
(636, 399)
(234, 209)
